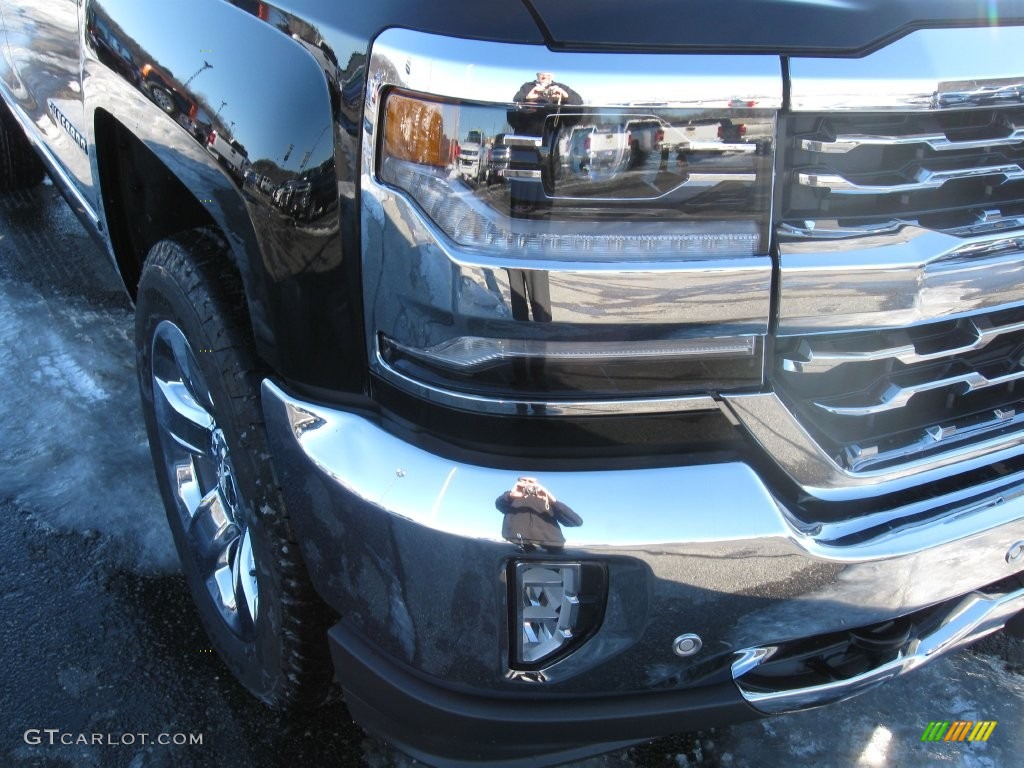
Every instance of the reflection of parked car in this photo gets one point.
(500, 155)
(228, 151)
(110, 49)
(165, 95)
(473, 157)
(598, 151)
(309, 195)
(644, 135)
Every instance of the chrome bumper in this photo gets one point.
(408, 546)
(972, 618)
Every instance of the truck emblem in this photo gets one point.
(68, 126)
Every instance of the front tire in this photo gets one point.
(199, 378)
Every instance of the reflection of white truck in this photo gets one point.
(717, 135)
(598, 150)
(228, 151)
(692, 137)
(609, 148)
(473, 156)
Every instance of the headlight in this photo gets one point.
(599, 184)
(605, 244)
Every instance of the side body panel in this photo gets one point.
(42, 71)
(172, 74)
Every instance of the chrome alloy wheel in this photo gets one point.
(196, 457)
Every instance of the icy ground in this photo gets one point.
(74, 463)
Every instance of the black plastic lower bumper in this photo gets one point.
(444, 727)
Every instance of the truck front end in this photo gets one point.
(727, 429)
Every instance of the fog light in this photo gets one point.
(558, 606)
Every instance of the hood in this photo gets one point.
(795, 27)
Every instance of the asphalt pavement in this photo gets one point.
(103, 657)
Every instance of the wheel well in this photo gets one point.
(143, 201)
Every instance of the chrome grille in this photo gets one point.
(941, 170)
(900, 336)
(876, 399)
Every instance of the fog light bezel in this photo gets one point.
(586, 601)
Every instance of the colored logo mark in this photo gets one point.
(958, 730)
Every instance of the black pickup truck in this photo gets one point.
(703, 408)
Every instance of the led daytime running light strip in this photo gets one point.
(458, 214)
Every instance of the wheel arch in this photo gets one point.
(160, 173)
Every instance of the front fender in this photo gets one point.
(173, 74)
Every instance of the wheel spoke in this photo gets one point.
(181, 417)
(222, 577)
(182, 400)
(196, 457)
(187, 483)
(188, 369)
(244, 573)
(211, 532)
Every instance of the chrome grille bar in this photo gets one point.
(825, 359)
(896, 396)
(894, 279)
(825, 475)
(899, 332)
(844, 143)
(925, 179)
(862, 457)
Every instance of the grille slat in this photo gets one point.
(890, 396)
(863, 457)
(925, 179)
(896, 396)
(818, 356)
(939, 142)
(901, 329)
(940, 170)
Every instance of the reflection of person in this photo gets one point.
(538, 100)
(532, 516)
(544, 90)
(544, 94)
(531, 296)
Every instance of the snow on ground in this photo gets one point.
(884, 726)
(73, 444)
